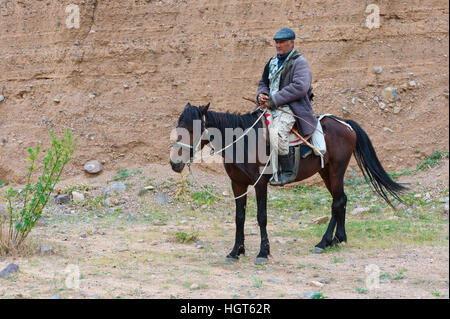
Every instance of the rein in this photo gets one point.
(228, 198)
(196, 145)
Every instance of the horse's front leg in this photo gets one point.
(261, 199)
(241, 203)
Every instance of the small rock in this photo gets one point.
(46, 250)
(359, 210)
(92, 95)
(10, 269)
(443, 200)
(149, 188)
(345, 110)
(77, 197)
(397, 109)
(325, 281)
(55, 297)
(62, 199)
(377, 69)
(93, 167)
(83, 235)
(200, 245)
(162, 199)
(56, 100)
(317, 284)
(385, 281)
(117, 187)
(274, 280)
(387, 129)
(390, 94)
(320, 220)
(194, 286)
(2, 98)
(412, 84)
(122, 249)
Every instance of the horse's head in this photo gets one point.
(190, 129)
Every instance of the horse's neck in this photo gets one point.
(218, 123)
(215, 124)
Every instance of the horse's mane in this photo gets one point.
(223, 120)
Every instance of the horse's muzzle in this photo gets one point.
(177, 167)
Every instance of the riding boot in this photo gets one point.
(287, 171)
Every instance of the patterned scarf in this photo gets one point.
(275, 72)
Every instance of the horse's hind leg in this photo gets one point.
(339, 206)
(241, 203)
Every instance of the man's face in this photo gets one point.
(284, 46)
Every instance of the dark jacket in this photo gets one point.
(294, 90)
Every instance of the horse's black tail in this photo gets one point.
(369, 164)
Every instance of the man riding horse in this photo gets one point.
(285, 86)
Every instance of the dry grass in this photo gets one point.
(26, 249)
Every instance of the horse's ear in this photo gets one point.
(204, 108)
(187, 105)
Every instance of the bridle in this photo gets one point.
(196, 145)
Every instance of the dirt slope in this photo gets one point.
(143, 60)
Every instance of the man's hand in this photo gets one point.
(262, 99)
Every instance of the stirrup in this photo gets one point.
(282, 182)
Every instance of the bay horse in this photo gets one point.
(341, 143)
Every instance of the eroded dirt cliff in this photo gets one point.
(121, 79)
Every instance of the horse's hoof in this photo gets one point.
(317, 250)
(261, 261)
(231, 260)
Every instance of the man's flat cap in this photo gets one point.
(284, 34)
